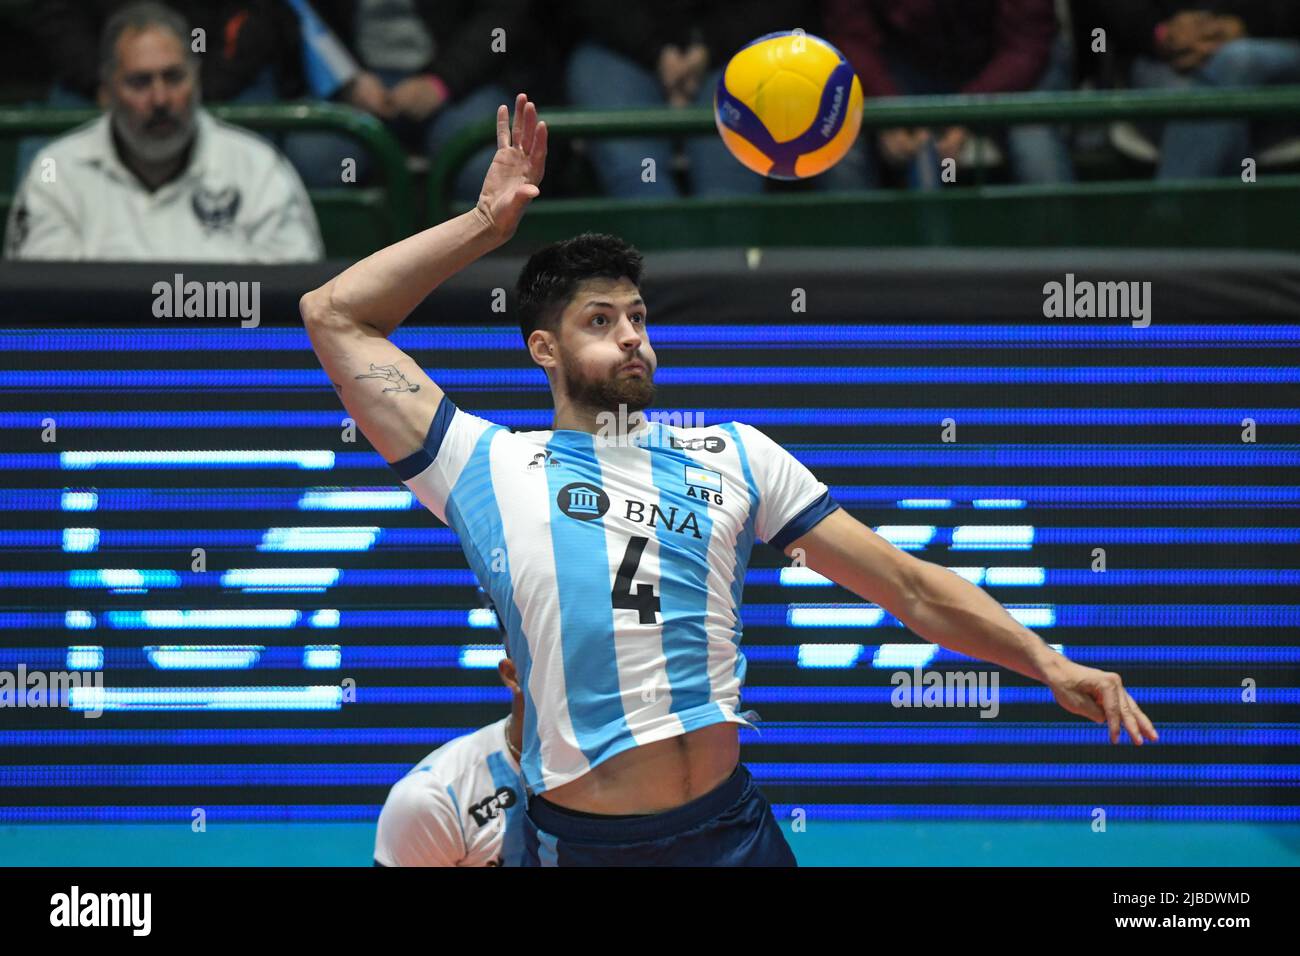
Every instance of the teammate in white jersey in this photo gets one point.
(463, 804)
(616, 546)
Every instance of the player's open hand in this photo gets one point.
(517, 168)
(1100, 696)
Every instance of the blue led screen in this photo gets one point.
(195, 543)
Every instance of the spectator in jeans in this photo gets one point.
(428, 68)
(922, 47)
(156, 177)
(1177, 44)
(656, 53)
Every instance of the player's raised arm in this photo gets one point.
(350, 318)
(943, 607)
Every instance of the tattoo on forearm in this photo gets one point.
(390, 374)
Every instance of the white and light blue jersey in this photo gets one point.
(462, 805)
(617, 568)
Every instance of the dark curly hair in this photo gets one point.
(549, 279)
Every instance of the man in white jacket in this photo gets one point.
(157, 177)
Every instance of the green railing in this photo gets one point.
(1209, 213)
(1199, 213)
(354, 219)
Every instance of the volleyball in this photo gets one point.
(788, 105)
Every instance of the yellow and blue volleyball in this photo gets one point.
(788, 105)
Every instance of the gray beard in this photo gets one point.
(154, 149)
(607, 394)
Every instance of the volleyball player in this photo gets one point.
(615, 546)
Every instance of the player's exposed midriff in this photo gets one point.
(657, 776)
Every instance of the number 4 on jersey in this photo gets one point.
(643, 599)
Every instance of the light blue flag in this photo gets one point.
(326, 61)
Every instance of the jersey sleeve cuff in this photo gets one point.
(414, 463)
(804, 521)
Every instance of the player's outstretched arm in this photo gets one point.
(943, 607)
(350, 318)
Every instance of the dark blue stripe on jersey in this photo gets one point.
(417, 461)
(804, 521)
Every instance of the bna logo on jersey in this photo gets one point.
(583, 501)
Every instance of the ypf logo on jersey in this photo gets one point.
(583, 501)
(488, 808)
(713, 443)
(703, 484)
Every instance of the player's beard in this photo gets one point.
(634, 392)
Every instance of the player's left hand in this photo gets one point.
(517, 168)
(1100, 696)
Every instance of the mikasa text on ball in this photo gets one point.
(788, 105)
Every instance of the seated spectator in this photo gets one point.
(926, 47)
(428, 68)
(238, 63)
(156, 177)
(1183, 44)
(657, 53)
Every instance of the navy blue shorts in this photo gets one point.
(731, 825)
